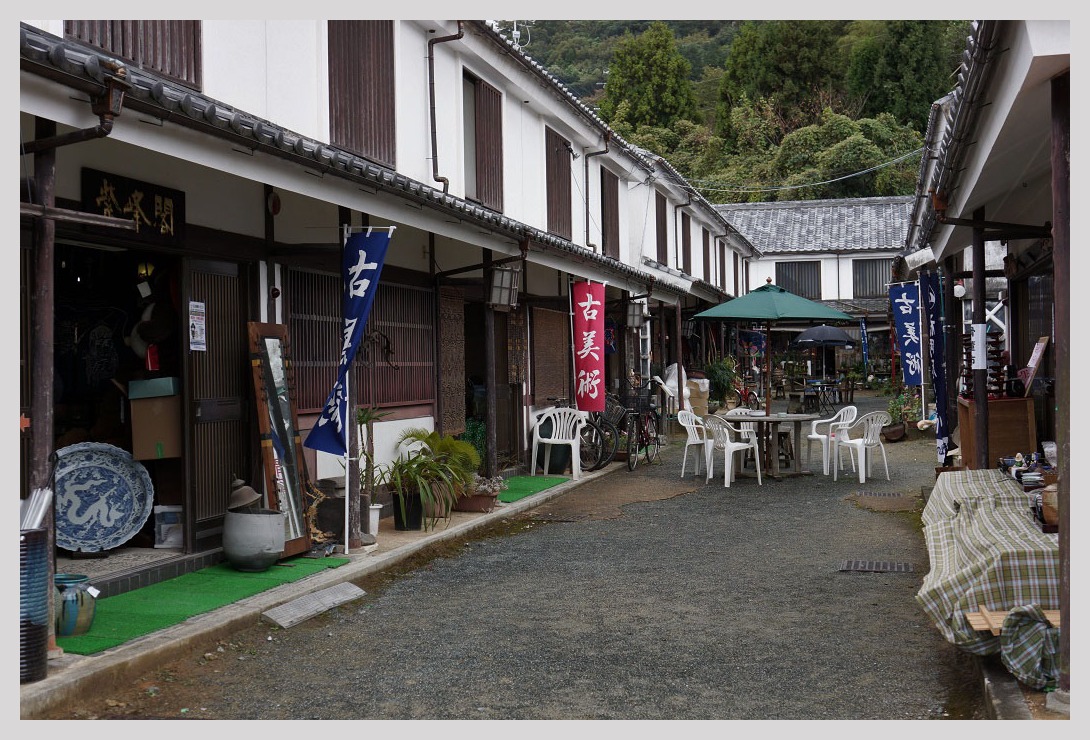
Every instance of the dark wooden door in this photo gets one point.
(218, 387)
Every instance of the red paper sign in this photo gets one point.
(589, 334)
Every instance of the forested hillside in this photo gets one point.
(762, 110)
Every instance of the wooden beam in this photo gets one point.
(76, 217)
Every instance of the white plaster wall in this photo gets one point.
(413, 117)
(275, 69)
(386, 434)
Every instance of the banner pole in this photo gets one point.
(347, 400)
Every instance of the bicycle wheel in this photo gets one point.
(590, 446)
(633, 440)
(650, 438)
(610, 441)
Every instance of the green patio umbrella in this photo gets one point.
(771, 304)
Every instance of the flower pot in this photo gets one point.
(476, 502)
(253, 539)
(374, 512)
(408, 512)
(894, 432)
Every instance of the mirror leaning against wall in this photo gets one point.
(281, 446)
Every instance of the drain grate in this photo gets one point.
(883, 494)
(876, 566)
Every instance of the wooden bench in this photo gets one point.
(987, 620)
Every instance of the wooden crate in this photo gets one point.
(1012, 428)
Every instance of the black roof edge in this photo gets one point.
(74, 64)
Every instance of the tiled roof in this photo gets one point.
(857, 224)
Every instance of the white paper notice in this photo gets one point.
(196, 327)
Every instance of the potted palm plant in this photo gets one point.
(426, 483)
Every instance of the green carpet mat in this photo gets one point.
(521, 486)
(126, 616)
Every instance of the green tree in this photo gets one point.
(651, 77)
(901, 67)
(793, 64)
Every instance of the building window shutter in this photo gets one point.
(361, 89)
(611, 218)
(558, 184)
(801, 278)
(171, 48)
(662, 252)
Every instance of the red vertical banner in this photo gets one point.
(589, 334)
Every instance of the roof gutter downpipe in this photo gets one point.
(586, 184)
(431, 98)
(106, 106)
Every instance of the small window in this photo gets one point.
(660, 229)
(611, 218)
(361, 88)
(870, 278)
(686, 245)
(482, 117)
(801, 278)
(558, 158)
(707, 254)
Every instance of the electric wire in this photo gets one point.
(710, 183)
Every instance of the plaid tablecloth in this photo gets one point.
(985, 548)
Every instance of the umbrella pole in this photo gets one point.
(768, 369)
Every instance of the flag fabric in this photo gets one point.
(905, 300)
(753, 342)
(364, 255)
(863, 342)
(588, 332)
(932, 292)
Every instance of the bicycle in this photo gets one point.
(642, 423)
(746, 396)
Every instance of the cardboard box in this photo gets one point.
(168, 526)
(154, 388)
(156, 427)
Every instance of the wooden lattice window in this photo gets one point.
(395, 363)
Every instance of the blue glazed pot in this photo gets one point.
(73, 604)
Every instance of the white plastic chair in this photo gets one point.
(567, 423)
(870, 430)
(729, 439)
(846, 415)
(696, 436)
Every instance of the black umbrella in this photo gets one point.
(823, 336)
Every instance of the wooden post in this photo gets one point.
(677, 356)
(490, 373)
(1061, 269)
(980, 375)
(951, 324)
(41, 395)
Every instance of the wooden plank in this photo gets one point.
(305, 607)
(992, 621)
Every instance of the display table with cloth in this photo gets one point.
(986, 548)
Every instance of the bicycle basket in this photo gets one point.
(640, 399)
(615, 410)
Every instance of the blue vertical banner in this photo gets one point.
(904, 298)
(932, 297)
(863, 342)
(364, 255)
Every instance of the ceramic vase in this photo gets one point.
(73, 604)
(253, 539)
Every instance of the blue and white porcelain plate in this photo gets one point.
(102, 499)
